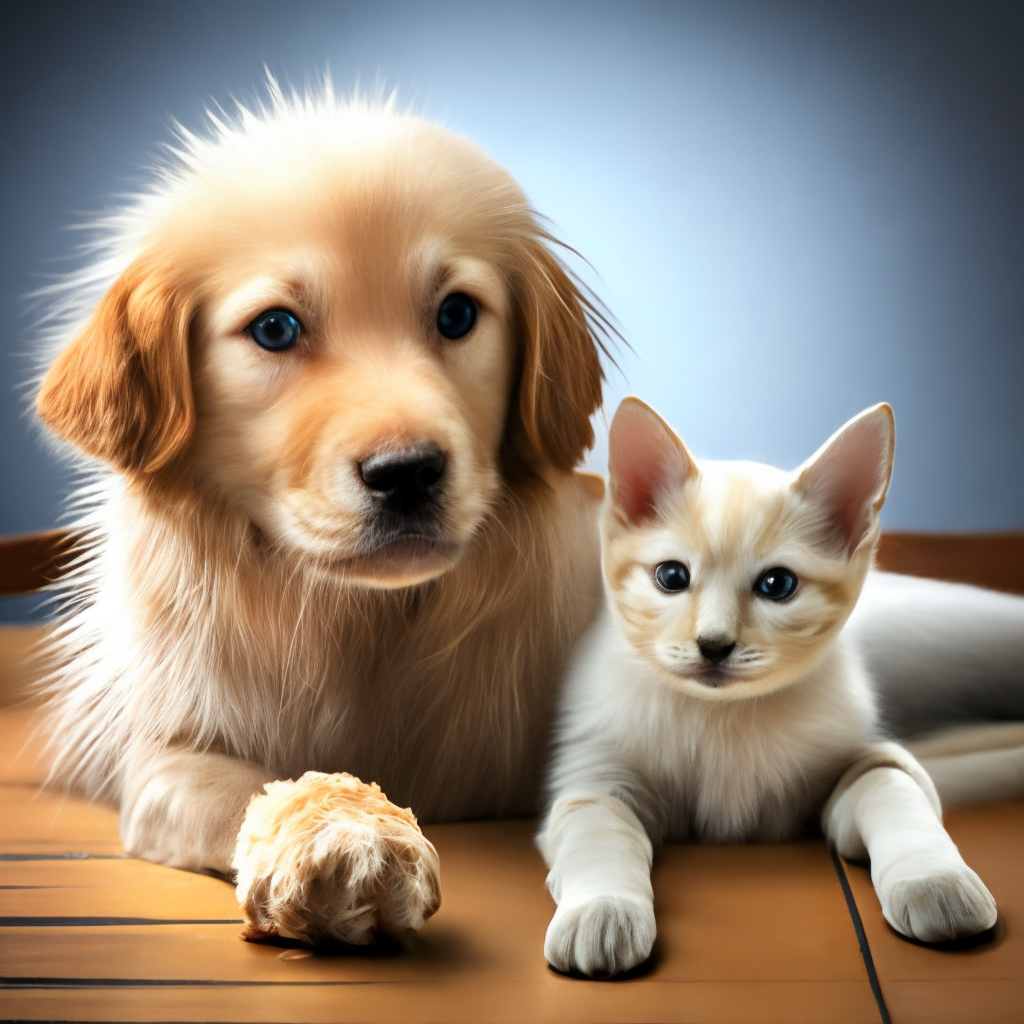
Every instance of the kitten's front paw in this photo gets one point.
(936, 906)
(329, 858)
(602, 936)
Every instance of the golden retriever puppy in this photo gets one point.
(339, 385)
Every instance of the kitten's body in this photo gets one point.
(717, 698)
(714, 771)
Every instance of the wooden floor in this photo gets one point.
(745, 933)
(779, 933)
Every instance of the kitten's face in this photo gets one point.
(730, 578)
(731, 592)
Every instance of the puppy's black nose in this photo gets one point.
(404, 478)
(715, 649)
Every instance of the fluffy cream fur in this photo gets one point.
(712, 712)
(241, 613)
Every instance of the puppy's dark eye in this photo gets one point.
(775, 584)
(275, 330)
(672, 576)
(456, 316)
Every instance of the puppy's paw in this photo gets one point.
(602, 936)
(329, 858)
(936, 905)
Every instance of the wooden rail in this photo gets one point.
(31, 561)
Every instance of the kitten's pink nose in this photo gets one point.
(715, 648)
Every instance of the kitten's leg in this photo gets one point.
(886, 808)
(966, 738)
(974, 763)
(600, 859)
(975, 778)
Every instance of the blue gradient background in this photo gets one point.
(794, 210)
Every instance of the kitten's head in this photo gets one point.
(732, 578)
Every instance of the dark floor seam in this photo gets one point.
(107, 922)
(128, 983)
(862, 939)
(16, 857)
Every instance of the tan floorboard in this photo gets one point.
(998, 1001)
(550, 1000)
(21, 755)
(42, 822)
(18, 667)
(54, 892)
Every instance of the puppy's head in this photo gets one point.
(343, 324)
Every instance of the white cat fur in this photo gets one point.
(646, 753)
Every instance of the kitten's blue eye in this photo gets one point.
(456, 316)
(672, 576)
(776, 584)
(275, 330)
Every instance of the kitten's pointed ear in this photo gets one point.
(848, 476)
(645, 458)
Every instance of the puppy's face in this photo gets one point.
(352, 378)
(343, 328)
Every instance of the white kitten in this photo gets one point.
(718, 699)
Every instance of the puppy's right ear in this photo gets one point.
(121, 391)
(645, 459)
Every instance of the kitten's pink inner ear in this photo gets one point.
(645, 459)
(849, 475)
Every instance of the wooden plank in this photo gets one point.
(975, 983)
(104, 874)
(192, 897)
(992, 1000)
(18, 667)
(752, 900)
(775, 908)
(21, 743)
(993, 560)
(30, 561)
(42, 822)
(208, 953)
(39, 822)
(547, 1000)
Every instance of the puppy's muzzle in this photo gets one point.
(405, 482)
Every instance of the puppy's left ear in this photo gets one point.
(121, 391)
(560, 386)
